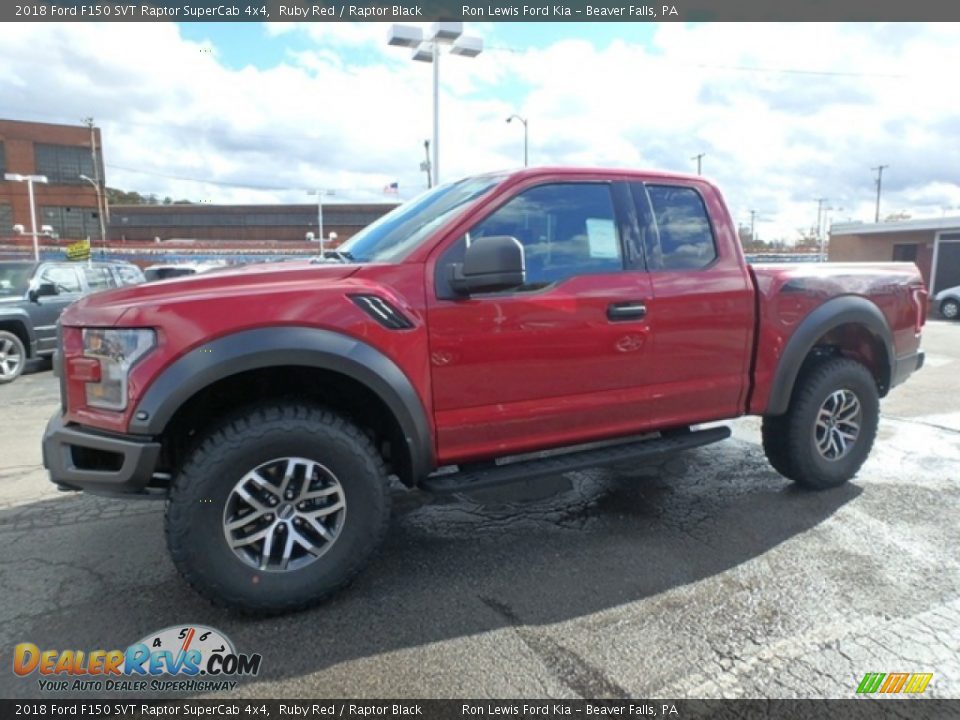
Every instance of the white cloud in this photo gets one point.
(352, 113)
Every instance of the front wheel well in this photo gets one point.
(20, 330)
(335, 391)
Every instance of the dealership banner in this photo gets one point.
(502, 11)
(867, 709)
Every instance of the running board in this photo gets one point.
(475, 479)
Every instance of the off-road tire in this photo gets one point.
(790, 440)
(199, 493)
(950, 309)
(9, 340)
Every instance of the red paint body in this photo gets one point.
(525, 371)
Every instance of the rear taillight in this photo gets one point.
(920, 301)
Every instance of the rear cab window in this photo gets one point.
(678, 232)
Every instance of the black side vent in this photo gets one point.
(382, 311)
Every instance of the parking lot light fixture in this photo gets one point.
(30, 180)
(524, 121)
(320, 194)
(427, 49)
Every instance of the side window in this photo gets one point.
(63, 276)
(566, 229)
(686, 239)
(98, 277)
(129, 275)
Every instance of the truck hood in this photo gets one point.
(252, 283)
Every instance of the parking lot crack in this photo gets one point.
(575, 672)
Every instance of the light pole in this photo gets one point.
(103, 226)
(427, 49)
(320, 194)
(525, 136)
(30, 180)
(826, 225)
(699, 158)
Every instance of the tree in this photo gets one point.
(897, 216)
(116, 196)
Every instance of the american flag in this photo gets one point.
(392, 188)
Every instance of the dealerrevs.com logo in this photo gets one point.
(191, 658)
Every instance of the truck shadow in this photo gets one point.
(94, 572)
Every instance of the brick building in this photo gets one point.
(62, 153)
(933, 244)
(68, 203)
(239, 223)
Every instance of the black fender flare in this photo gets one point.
(274, 346)
(844, 310)
(21, 317)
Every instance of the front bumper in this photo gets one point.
(81, 459)
(905, 366)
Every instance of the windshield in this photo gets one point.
(14, 278)
(399, 231)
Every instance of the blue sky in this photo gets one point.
(248, 112)
(241, 44)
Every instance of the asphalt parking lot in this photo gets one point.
(705, 575)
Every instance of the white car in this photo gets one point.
(164, 272)
(948, 302)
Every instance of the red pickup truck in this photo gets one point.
(501, 315)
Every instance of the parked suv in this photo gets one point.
(32, 296)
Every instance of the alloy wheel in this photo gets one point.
(284, 514)
(837, 426)
(10, 358)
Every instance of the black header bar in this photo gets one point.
(500, 11)
(915, 708)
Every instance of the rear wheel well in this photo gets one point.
(330, 389)
(856, 342)
(20, 330)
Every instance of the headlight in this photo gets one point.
(117, 350)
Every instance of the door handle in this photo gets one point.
(632, 310)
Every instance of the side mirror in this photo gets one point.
(43, 290)
(490, 264)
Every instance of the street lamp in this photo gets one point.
(823, 235)
(30, 180)
(524, 121)
(427, 49)
(100, 212)
(320, 194)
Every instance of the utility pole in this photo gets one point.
(425, 165)
(820, 202)
(98, 186)
(698, 157)
(753, 217)
(879, 169)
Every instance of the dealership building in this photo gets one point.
(933, 244)
(61, 153)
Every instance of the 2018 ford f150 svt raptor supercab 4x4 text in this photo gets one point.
(492, 317)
